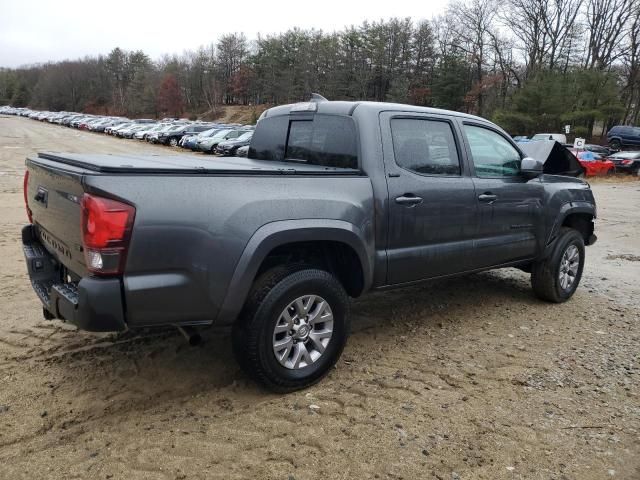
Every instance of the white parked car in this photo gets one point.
(558, 137)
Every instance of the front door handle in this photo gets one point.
(487, 197)
(409, 200)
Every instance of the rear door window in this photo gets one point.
(425, 146)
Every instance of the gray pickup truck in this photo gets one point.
(336, 199)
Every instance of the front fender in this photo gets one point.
(275, 234)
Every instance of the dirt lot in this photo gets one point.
(465, 379)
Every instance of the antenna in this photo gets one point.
(317, 98)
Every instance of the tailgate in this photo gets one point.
(54, 194)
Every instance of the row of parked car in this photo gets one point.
(595, 159)
(234, 139)
(227, 139)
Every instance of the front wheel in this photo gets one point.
(173, 142)
(556, 278)
(293, 328)
(615, 144)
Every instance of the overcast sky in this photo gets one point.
(34, 31)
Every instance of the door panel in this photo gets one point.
(509, 206)
(507, 226)
(432, 205)
(434, 237)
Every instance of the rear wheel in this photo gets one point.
(293, 328)
(556, 278)
(173, 142)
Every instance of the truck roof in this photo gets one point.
(348, 108)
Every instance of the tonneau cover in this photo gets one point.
(108, 163)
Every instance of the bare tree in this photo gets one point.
(473, 23)
(631, 60)
(545, 29)
(559, 25)
(508, 68)
(232, 51)
(526, 21)
(607, 22)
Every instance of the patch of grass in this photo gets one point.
(617, 178)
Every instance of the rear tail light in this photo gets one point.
(106, 231)
(26, 197)
(626, 162)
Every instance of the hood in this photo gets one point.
(557, 159)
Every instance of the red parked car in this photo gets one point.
(594, 164)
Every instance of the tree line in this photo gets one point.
(530, 65)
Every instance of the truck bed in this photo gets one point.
(194, 218)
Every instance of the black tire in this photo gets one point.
(173, 142)
(253, 332)
(545, 275)
(615, 144)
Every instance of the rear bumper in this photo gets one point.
(93, 304)
(625, 168)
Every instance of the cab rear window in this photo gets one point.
(325, 140)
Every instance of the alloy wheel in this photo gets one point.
(569, 267)
(303, 332)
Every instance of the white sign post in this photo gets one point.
(567, 129)
(578, 143)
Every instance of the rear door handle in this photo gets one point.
(408, 199)
(487, 197)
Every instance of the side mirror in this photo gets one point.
(530, 167)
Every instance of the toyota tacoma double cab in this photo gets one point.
(334, 200)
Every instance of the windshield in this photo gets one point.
(588, 156)
(245, 136)
(541, 136)
(625, 155)
(221, 133)
(209, 133)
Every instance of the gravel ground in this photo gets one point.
(470, 378)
